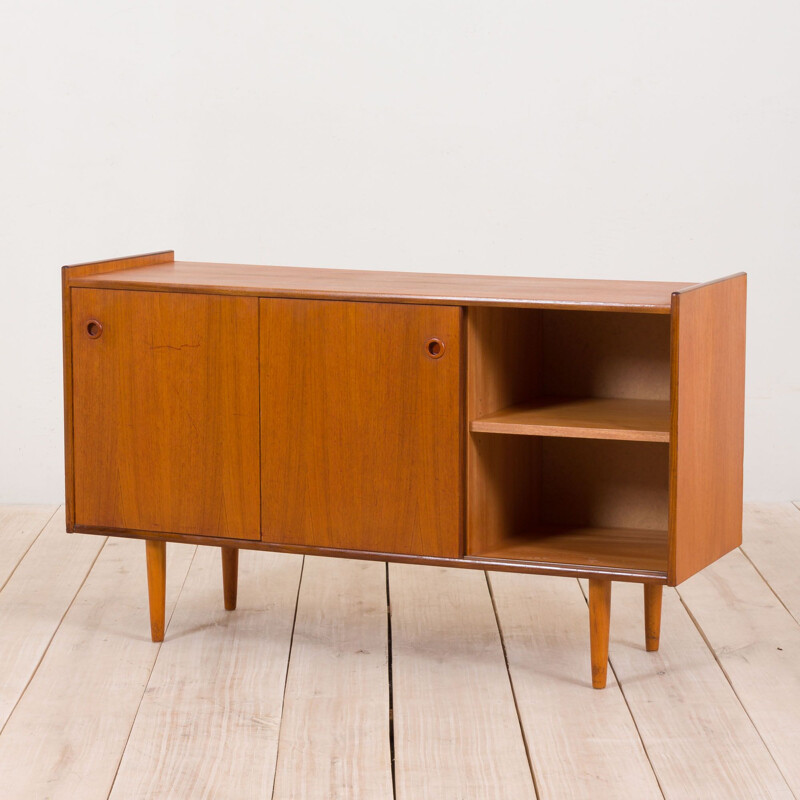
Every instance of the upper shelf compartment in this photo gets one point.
(630, 420)
(585, 375)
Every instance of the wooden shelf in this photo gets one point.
(582, 418)
(616, 548)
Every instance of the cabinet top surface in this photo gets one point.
(411, 287)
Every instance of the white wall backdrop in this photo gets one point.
(645, 140)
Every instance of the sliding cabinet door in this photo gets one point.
(361, 426)
(165, 408)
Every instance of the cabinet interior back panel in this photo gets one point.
(591, 354)
(604, 484)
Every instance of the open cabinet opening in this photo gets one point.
(568, 457)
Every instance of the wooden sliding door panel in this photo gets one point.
(165, 412)
(361, 426)
(707, 428)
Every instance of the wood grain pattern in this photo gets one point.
(156, 553)
(707, 431)
(208, 722)
(757, 643)
(360, 430)
(334, 738)
(410, 287)
(599, 620)
(621, 548)
(68, 732)
(582, 418)
(69, 273)
(696, 733)
(19, 527)
(34, 600)
(456, 731)
(503, 369)
(653, 594)
(230, 576)
(582, 743)
(166, 413)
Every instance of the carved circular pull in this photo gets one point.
(434, 348)
(94, 329)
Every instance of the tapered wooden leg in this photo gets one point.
(599, 617)
(652, 615)
(230, 575)
(156, 586)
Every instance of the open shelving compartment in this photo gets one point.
(568, 443)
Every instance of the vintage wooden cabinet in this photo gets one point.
(565, 427)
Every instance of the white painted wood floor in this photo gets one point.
(475, 685)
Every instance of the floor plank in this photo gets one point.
(208, 723)
(35, 599)
(772, 543)
(696, 733)
(757, 643)
(19, 527)
(334, 737)
(583, 743)
(68, 732)
(456, 730)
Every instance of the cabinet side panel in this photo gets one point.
(707, 428)
(360, 428)
(165, 412)
(66, 333)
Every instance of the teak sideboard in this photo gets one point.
(581, 428)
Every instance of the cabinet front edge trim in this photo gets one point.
(468, 562)
(97, 282)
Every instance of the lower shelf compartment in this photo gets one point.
(616, 548)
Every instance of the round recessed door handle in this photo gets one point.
(434, 348)
(94, 330)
